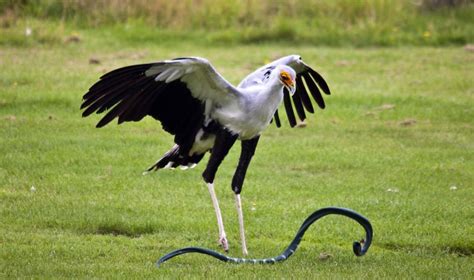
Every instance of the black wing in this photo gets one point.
(308, 82)
(129, 95)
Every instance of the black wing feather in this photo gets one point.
(141, 109)
(289, 108)
(129, 95)
(110, 83)
(307, 83)
(277, 119)
(104, 100)
(313, 89)
(320, 80)
(299, 107)
(301, 91)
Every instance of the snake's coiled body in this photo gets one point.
(358, 248)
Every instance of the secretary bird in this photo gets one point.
(206, 113)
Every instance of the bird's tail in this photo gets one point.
(173, 158)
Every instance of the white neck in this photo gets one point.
(254, 111)
(265, 103)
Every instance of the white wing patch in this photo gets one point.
(258, 76)
(199, 76)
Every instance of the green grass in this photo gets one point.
(93, 215)
(323, 23)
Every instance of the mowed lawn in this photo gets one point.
(395, 143)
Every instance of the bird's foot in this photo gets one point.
(245, 252)
(223, 242)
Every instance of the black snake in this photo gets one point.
(359, 247)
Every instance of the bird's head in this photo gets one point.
(287, 77)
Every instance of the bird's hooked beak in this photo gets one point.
(288, 82)
(291, 87)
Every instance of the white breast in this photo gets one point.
(249, 117)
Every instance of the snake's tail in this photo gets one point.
(221, 257)
(192, 250)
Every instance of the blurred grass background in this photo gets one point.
(395, 142)
(327, 23)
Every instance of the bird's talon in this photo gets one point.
(223, 242)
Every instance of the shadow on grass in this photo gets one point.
(121, 230)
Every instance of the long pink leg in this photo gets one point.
(222, 236)
(238, 204)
